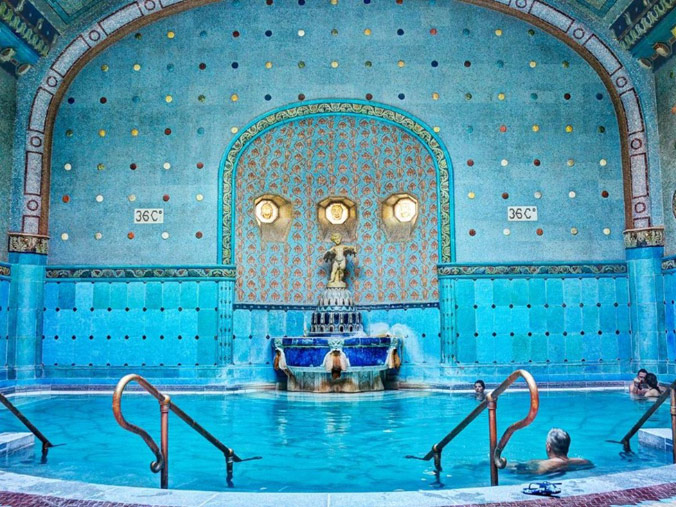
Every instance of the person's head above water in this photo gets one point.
(479, 386)
(651, 380)
(558, 443)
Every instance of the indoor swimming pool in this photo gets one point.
(324, 443)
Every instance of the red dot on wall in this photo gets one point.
(433, 31)
(235, 34)
(539, 232)
(505, 195)
(472, 232)
(132, 167)
(198, 234)
(66, 198)
(301, 96)
(165, 197)
(604, 194)
(503, 128)
(130, 235)
(167, 131)
(200, 165)
(203, 66)
(566, 96)
(536, 162)
(369, 96)
(400, 2)
(103, 100)
(470, 162)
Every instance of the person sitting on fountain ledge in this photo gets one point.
(557, 445)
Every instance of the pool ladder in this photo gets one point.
(46, 444)
(669, 393)
(161, 463)
(490, 402)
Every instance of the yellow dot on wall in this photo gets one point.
(167, 165)
(435, 96)
(401, 63)
(169, 99)
(98, 236)
(104, 68)
(131, 197)
(573, 231)
(532, 64)
(501, 96)
(471, 195)
(334, 2)
(199, 197)
(64, 236)
(603, 162)
(437, 129)
(570, 162)
(136, 67)
(504, 162)
(536, 128)
(134, 132)
(606, 231)
(234, 130)
(67, 167)
(170, 34)
(102, 133)
(498, 32)
(100, 167)
(367, 31)
(234, 97)
(569, 128)
(334, 64)
(268, 65)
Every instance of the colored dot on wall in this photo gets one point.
(472, 232)
(503, 128)
(401, 63)
(532, 64)
(531, 32)
(435, 96)
(235, 34)
(465, 31)
(64, 236)
(468, 96)
(103, 100)
(67, 167)
(368, 63)
(471, 195)
(98, 236)
(138, 36)
(199, 197)
(572, 194)
(69, 133)
(234, 65)
(539, 232)
(200, 165)
(501, 96)
(167, 131)
(436, 129)
(400, 32)
(202, 98)
(570, 162)
(334, 32)
(537, 195)
(603, 162)
(334, 2)
(565, 64)
(301, 33)
(467, 63)
(131, 197)
(573, 231)
(569, 128)
(165, 197)
(536, 162)
(536, 128)
(498, 32)
(99, 198)
(104, 68)
(136, 67)
(506, 232)
(369, 96)
(268, 33)
(170, 67)
(234, 130)
(202, 66)
(268, 97)
(534, 96)
(334, 64)
(433, 31)
(434, 63)
(301, 96)
(66, 198)
(504, 162)
(604, 194)
(470, 162)
(367, 31)
(602, 129)
(132, 167)
(566, 96)
(166, 165)
(169, 99)
(606, 231)
(505, 195)
(100, 167)
(599, 96)
(102, 133)
(234, 97)
(134, 132)
(268, 65)
(165, 235)
(198, 234)
(130, 235)
(401, 96)
(71, 100)
(170, 34)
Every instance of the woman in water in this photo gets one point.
(654, 389)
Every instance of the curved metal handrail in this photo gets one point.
(161, 455)
(46, 444)
(669, 393)
(490, 402)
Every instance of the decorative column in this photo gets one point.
(28, 256)
(226, 300)
(447, 314)
(645, 248)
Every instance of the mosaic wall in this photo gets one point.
(146, 123)
(312, 159)
(670, 312)
(4, 319)
(665, 86)
(8, 108)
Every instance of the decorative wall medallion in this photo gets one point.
(399, 213)
(5, 270)
(455, 270)
(28, 243)
(267, 211)
(336, 213)
(406, 209)
(650, 236)
(274, 215)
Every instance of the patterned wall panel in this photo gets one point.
(4, 320)
(670, 315)
(309, 160)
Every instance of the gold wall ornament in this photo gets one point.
(399, 214)
(273, 214)
(267, 211)
(405, 209)
(337, 213)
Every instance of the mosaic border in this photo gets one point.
(458, 270)
(669, 264)
(5, 270)
(338, 107)
(364, 308)
(646, 237)
(135, 273)
(28, 243)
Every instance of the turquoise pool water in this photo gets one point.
(321, 443)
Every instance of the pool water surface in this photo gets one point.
(323, 443)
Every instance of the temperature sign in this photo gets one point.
(522, 213)
(148, 216)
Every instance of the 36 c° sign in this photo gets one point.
(522, 213)
(148, 216)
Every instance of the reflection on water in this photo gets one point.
(324, 442)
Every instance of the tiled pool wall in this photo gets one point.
(4, 317)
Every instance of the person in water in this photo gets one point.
(638, 386)
(557, 446)
(479, 389)
(654, 389)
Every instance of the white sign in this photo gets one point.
(148, 216)
(522, 213)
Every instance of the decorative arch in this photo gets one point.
(33, 236)
(293, 112)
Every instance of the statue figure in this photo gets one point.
(337, 256)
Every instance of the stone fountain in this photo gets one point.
(336, 355)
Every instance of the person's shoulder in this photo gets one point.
(580, 463)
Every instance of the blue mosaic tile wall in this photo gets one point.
(665, 86)
(8, 108)
(157, 323)
(525, 119)
(670, 314)
(4, 321)
(309, 160)
(565, 322)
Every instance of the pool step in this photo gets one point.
(658, 438)
(14, 442)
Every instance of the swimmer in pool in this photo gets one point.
(479, 388)
(557, 445)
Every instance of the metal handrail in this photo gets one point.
(669, 393)
(490, 402)
(161, 463)
(46, 444)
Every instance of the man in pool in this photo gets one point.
(638, 386)
(479, 388)
(557, 445)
